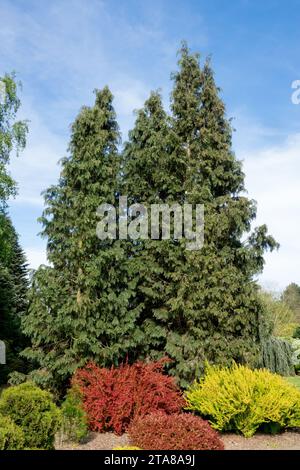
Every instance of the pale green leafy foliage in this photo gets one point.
(291, 296)
(17, 378)
(242, 400)
(276, 319)
(279, 315)
(12, 133)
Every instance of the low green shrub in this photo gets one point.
(74, 418)
(34, 411)
(11, 435)
(243, 400)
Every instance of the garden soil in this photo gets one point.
(286, 441)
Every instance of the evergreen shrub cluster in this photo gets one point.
(11, 435)
(242, 400)
(74, 418)
(33, 417)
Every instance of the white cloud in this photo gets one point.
(129, 96)
(251, 134)
(35, 257)
(37, 167)
(64, 51)
(272, 179)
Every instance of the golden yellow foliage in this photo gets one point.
(126, 448)
(243, 400)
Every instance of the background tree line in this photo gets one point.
(13, 268)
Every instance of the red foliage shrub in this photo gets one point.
(113, 397)
(184, 431)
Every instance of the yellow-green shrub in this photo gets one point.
(126, 448)
(243, 400)
(33, 410)
(11, 435)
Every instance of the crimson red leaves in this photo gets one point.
(184, 431)
(114, 397)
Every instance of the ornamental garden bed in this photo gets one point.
(289, 440)
(140, 406)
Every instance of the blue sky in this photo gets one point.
(63, 49)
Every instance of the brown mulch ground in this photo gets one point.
(97, 441)
(285, 441)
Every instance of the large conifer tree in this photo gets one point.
(13, 297)
(216, 295)
(152, 175)
(202, 305)
(111, 299)
(79, 306)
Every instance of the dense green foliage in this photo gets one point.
(13, 291)
(277, 356)
(79, 307)
(13, 275)
(11, 435)
(195, 305)
(105, 300)
(33, 410)
(153, 175)
(243, 400)
(74, 418)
